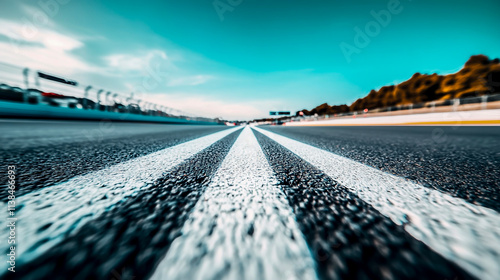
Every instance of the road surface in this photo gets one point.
(139, 201)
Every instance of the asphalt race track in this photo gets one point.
(460, 160)
(49, 152)
(151, 201)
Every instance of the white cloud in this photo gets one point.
(40, 48)
(209, 107)
(28, 32)
(137, 62)
(36, 16)
(154, 65)
(189, 80)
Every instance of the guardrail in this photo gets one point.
(33, 87)
(450, 105)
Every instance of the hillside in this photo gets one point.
(479, 76)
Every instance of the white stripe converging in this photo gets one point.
(51, 213)
(241, 228)
(464, 233)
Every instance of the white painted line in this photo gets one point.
(241, 228)
(67, 206)
(466, 234)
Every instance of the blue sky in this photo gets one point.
(239, 59)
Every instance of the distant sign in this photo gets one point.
(279, 113)
(56, 79)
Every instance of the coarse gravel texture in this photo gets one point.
(349, 238)
(131, 238)
(241, 228)
(46, 164)
(462, 161)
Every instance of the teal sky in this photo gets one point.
(253, 57)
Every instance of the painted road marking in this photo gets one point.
(464, 233)
(242, 227)
(50, 213)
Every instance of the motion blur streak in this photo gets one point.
(464, 233)
(242, 227)
(51, 213)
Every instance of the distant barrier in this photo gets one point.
(23, 110)
(31, 93)
(491, 101)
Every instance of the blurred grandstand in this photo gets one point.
(27, 93)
